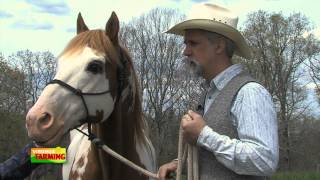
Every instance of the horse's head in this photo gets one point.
(89, 64)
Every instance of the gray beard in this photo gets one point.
(192, 66)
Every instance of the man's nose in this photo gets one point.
(186, 51)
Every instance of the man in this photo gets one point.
(237, 133)
(19, 165)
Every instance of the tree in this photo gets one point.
(279, 50)
(11, 79)
(305, 147)
(166, 91)
(24, 75)
(38, 67)
(12, 105)
(314, 65)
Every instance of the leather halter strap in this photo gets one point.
(88, 119)
(122, 74)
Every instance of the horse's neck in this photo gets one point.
(118, 133)
(78, 156)
(86, 161)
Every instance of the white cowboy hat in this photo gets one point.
(216, 19)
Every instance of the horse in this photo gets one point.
(95, 80)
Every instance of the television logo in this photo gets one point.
(48, 155)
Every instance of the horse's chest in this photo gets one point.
(79, 165)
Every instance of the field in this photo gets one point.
(290, 176)
(296, 176)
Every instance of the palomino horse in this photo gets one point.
(95, 80)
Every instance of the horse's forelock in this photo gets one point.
(97, 41)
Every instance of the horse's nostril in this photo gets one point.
(45, 119)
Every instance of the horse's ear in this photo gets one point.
(81, 26)
(112, 28)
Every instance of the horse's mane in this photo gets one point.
(99, 41)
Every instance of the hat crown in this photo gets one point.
(217, 19)
(214, 13)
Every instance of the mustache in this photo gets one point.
(190, 62)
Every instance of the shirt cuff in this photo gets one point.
(207, 138)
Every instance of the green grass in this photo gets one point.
(296, 176)
(289, 176)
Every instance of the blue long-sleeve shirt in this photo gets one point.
(18, 166)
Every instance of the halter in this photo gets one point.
(88, 119)
(121, 73)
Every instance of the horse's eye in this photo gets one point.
(95, 67)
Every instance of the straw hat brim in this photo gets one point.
(242, 49)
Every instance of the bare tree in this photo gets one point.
(38, 67)
(279, 50)
(12, 100)
(314, 65)
(166, 91)
(12, 103)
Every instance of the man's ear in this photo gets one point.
(220, 46)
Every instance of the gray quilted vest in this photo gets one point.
(218, 118)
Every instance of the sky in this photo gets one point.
(41, 25)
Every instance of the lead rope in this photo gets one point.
(183, 149)
(192, 159)
(96, 141)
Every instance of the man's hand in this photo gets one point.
(166, 169)
(192, 124)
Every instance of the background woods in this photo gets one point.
(281, 48)
(166, 91)
(23, 76)
(285, 59)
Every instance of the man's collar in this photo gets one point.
(222, 79)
